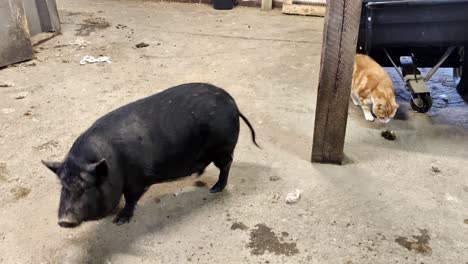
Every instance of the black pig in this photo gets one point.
(166, 136)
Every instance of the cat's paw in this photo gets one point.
(369, 118)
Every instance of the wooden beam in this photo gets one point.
(338, 51)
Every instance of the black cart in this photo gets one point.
(407, 34)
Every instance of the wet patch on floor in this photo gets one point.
(20, 192)
(239, 225)
(418, 243)
(90, 25)
(435, 169)
(275, 178)
(200, 184)
(49, 145)
(263, 239)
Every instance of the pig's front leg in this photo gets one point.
(131, 199)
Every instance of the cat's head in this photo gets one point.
(384, 109)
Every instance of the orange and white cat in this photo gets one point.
(372, 86)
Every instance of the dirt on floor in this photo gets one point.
(387, 204)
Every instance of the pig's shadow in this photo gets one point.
(159, 213)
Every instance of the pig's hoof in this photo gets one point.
(216, 188)
(121, 219)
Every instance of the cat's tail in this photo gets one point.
(251, 129)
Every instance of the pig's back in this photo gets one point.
(168, 135)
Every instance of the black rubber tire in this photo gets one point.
(426, 102)
(462, 85)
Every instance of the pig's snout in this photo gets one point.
(68, 222)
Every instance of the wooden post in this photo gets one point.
(338, 51)
(267, 5)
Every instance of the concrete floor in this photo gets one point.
(386, 205)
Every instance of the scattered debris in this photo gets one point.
(275, 178)
(90, 59)
(388, 135)
(263, 239)
(91, 24)
(444, 98)
(8, 110)
(179, 192)
(276, 197)
(6, 84)
(28, 64)
(200, 184)
(419, 244)
(21, 96)
(20, 192)
(120, 26)
(451, 198)
(239, 225)
(28, 113)
(60, 46)
(293, 197)
(141, 45)
(23, 65)
(81, 43)
(435, 169)
(47, 146)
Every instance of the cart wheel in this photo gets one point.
(421, 102)
(460, 75)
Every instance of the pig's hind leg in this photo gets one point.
(223, 161)
(131, 199)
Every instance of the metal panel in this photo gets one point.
(53, 16)
(34, 22)
(42, 16)
(15, 44)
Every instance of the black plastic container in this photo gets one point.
(223, 4)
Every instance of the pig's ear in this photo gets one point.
(98, 169)
(53, 166)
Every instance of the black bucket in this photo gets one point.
(223, 4)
